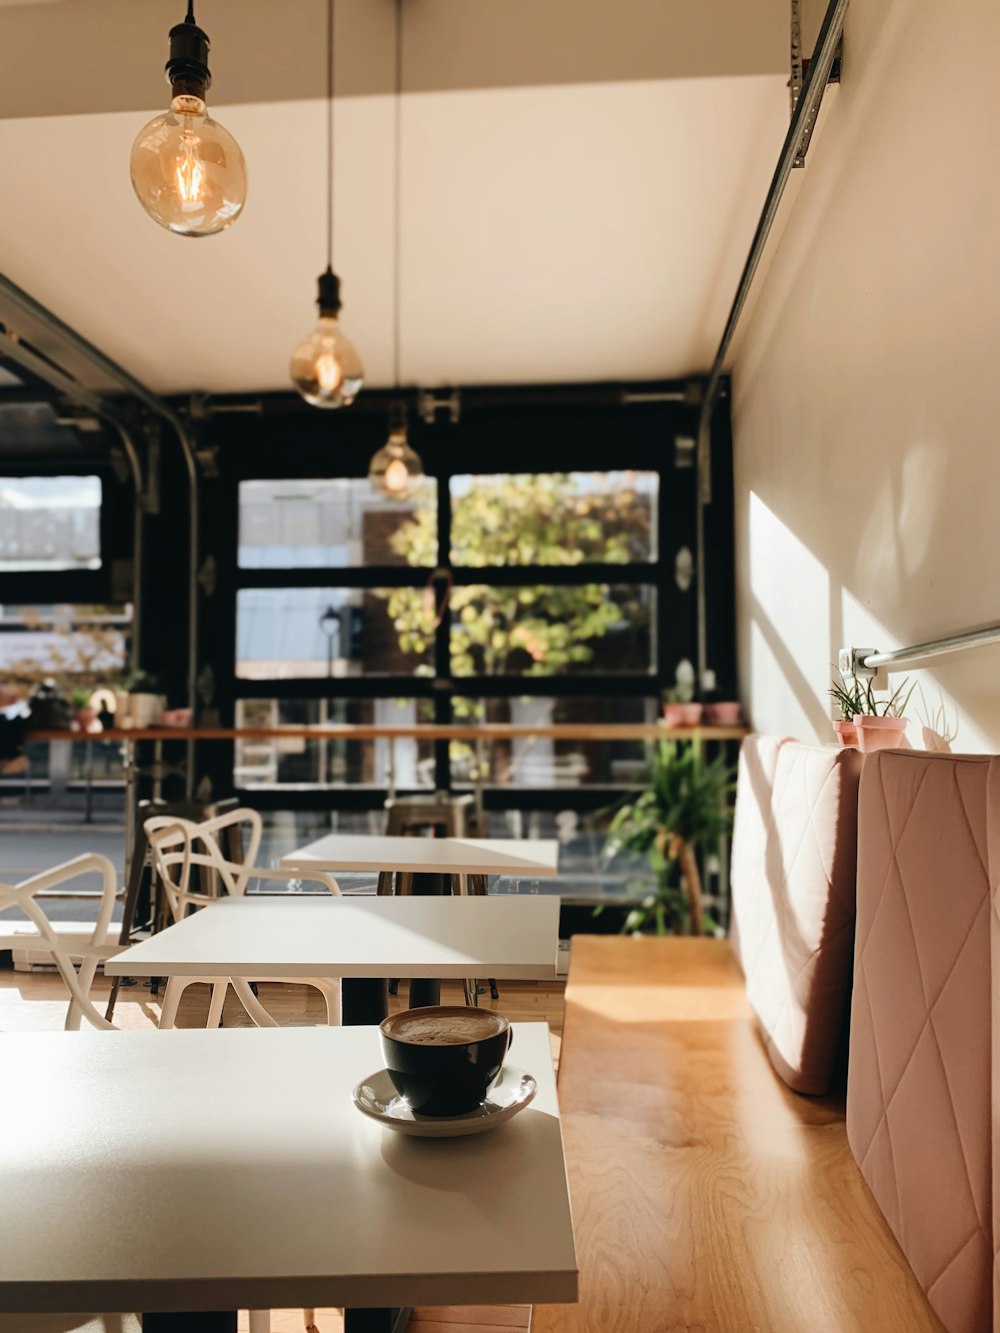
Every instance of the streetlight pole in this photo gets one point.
(329, 623)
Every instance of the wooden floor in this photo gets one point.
(37, 1000)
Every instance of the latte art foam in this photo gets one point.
(445, 1029)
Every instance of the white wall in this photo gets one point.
(866, 392)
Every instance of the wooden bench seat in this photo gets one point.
(706, 1196)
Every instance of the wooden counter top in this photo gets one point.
(566, 731)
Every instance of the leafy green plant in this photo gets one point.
(894, 706)
(848, 696)
(686, 806)
(80, 698)
(142, 682)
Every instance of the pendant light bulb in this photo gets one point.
(188, 171)
(326, 368)
(396, 467)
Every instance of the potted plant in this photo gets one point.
(881, 724)
(685, 807)
(679, 709)
(83, 711)
(850, 700)
(143, 703)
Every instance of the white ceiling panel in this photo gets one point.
(576, 232)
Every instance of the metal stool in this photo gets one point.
(447, 816)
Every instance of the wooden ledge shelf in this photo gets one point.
(707, 1196)
(566, 731)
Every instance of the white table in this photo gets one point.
(431, 861)
(183, 1170)
(537, 857)
(312, 935)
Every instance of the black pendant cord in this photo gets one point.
(397, 193)
(329, 134)
(190, 14)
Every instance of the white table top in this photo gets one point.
(537, 857)
(195, 1170)
(314, 935)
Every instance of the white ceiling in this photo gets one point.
(557, 232)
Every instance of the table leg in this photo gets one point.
(376, 1321)
(222, 1321)
(424, 991)
(364, 1000)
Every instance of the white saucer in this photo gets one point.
(377, 1098)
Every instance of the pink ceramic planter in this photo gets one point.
(725, 714)
(880, 733)
(682, 715)
(847, 734)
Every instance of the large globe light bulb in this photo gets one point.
(326, 369)
(187, 170)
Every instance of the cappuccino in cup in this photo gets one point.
(443, 1058)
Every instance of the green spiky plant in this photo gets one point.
(686, 806)
(848, 696)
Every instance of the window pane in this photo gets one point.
(334, 523)
(50, 523)
(289, 632)
(553, 518)
(76, 646)
(543, 761)
(551, 631)
(298, 762)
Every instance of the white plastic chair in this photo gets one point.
(180, 845)
(89, 952)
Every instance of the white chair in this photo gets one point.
(64, 952)
(79, 983)
(180, 845)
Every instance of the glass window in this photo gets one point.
(76, 646)
(553, 518)
(336, 523)
(550, 631)
(302, 762)
(288, 632)
(50, 523)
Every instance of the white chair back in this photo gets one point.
(90, 952)
(179, 845)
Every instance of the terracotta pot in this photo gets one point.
(85, 717)
(725, 714)
(847, 734)
(879, 733)
(673, 715)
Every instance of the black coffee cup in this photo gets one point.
(443, 1058)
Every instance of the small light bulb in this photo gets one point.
(326, 368)
(396, 466)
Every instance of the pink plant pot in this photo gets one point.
(690, 714)
(85, 717)
(880, 733)
(847, 735)
(725, 714)
(673, 715)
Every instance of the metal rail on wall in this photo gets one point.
(866, 661)
(800, 128)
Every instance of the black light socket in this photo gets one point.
(187, 69)
(328, 299)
